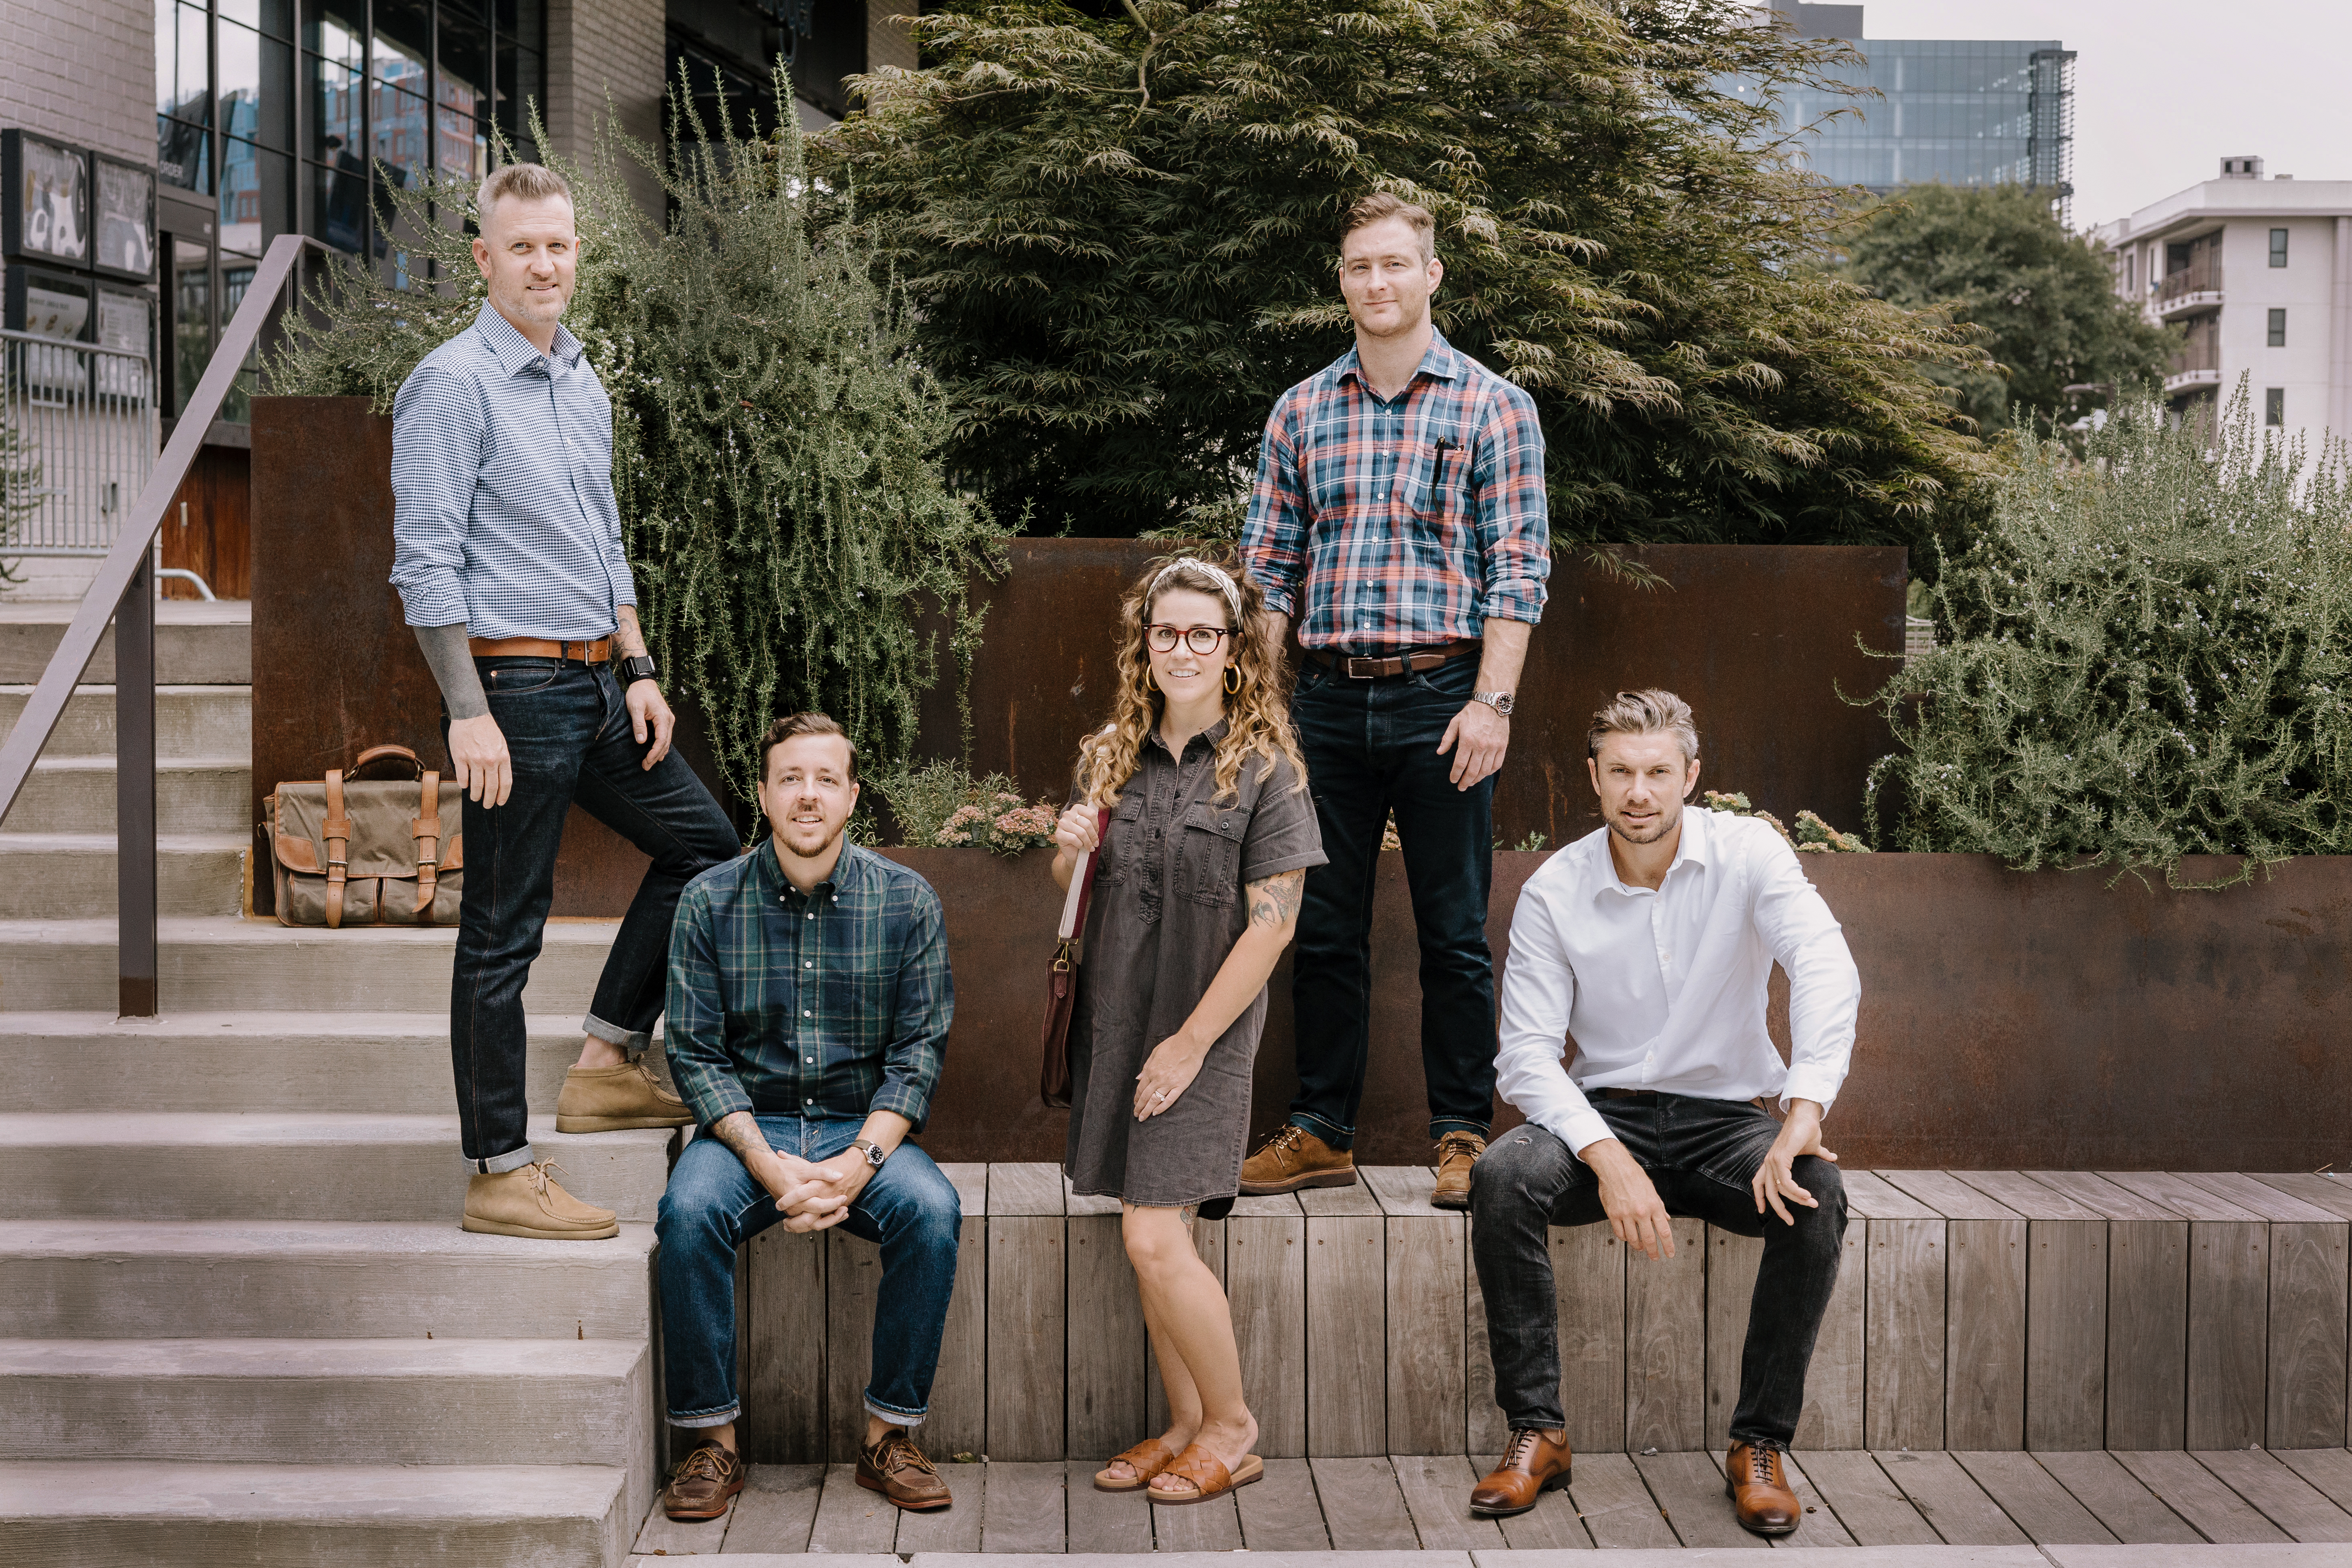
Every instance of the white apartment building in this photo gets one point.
(2258, 272)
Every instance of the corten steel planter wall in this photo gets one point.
(2010, 1021)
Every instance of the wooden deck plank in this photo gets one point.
(2229, 1290)
(2329, 1470)
(1903, 1307)
(1985, 1310)
(1026, 1321)
(2117, 1499)
(955, 1528)
(1209, 1241)
(2147, 1311)
(1949, 1195)
(2094, 1192)
(780, 1336)
(1266, 1282)
(2259, 1198)
(1873, 1196)
(958, 1421)
(1837, 1381)
(849, 1518)
(1346, 1317)
(1362, 1506)
(2065, 1314)
(2026, 1197)
(2305, 1402)
(1282, 1513)
(1616, 1504)
(776, 1509)
(1320, 1202)
(1024, 1509)
(1108, 1353)
(2284, 1497)
(1588, 1272)
(1552, 1525)
(1485, 1430)
(1689, 1490)
(2323, 1192)
(1731, 1263)
(1026, 1188)
(1951, 1503)
(1872, 1507)
(1666, 1346)
(1817, 1526)
(2199, 1496)
(1427, 1314)
(1211, 1526)
(2034, 1499)
(1436, 1490)
(662, 1536)
(1103, 1521)
(852, 1284)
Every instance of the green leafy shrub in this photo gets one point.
(1811, 837)
(942, 806)
(2143, 655)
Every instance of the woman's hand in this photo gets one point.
(1074, 832)
(1167, 1073)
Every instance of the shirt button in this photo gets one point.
(811, 1060)
(808, 966)
(804, 1013)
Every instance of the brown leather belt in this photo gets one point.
(597, 652)
(1415, 659)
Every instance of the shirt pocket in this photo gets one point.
(1209, 855)
(1124, 834)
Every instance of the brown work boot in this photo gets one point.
(526, 1200)
(1456, 1153)
(1759, 1489)
(703, 1484)
(608, 1100)
(1536, 1462)
(896, 1469)
(1295, 1158)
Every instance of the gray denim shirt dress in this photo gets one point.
(1167, 908)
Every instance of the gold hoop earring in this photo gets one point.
(1233, 680)
(1150, 684)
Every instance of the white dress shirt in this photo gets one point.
(1664, 990)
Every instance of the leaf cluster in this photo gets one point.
(2143, 656)
(1122, 232)
(943, 805)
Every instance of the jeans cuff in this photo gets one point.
(1440, 1126)
(499, 1165)
(632, 1041)
(1340, 1139)
(708, 1418)
(882, 1412)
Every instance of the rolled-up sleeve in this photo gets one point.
(1283, 833)
(694, 1027)
(1538, 994)
(1824, 987)
(923, 1007)
(1513, 519)
(1274, 536)
(438, 426)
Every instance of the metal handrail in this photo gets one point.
(123, 592)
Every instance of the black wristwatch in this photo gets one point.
(636, 668)
(874, 1152)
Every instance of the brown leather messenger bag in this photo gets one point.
(350, 850)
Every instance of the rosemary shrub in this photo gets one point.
(775, 435)
(2143, 656)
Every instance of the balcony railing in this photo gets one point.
(2202, 275)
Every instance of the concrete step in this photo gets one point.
(72, 876)
(136, 1279)
(190, 721)
(194, 794)
(109, 1512)
(397, 1063)
(271, 1166)
(220, 964)
(196, 643)
(361, 1402)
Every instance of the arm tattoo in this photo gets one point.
(1275, 900)
(740, 1132)
(628, 633)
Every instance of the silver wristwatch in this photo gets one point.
(1500, 702)
(875, 1153)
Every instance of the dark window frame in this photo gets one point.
(2274, 408)
(2278, 246)
(2275, 330)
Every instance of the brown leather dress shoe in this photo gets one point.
(1759, 1490)
(1456, 1153)
(1536, 1462)
(703, 1484)
(896, 1469)
(1295, 1158)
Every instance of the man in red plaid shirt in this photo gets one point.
(1401, 497)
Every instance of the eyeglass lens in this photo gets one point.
(1201, 639)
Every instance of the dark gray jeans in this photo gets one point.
(1700, 1154)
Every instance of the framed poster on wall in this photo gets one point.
(123, 230)
(125, 320)
(49, 304)
(45, 206)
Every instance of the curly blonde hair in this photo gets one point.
(1257, 717)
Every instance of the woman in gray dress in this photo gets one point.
(1210, 836)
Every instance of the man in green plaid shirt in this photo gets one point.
(808, 1010)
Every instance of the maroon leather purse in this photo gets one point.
(1062, 975)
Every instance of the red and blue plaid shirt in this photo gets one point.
(1409, 522)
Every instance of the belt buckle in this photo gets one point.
(1371, 670)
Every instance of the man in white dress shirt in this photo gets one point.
(1648, 944)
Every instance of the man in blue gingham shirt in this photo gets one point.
(507, 554)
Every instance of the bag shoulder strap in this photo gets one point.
(1082, 882)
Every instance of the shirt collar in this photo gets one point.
(513, 349)
(1696, 847)
(846, 871)
(1440, 363)
(1209, 737)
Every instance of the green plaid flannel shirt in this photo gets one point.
(834, 1003)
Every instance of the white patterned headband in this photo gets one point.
(1225, 584)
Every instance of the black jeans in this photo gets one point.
(1700, 1154)
(1371, 747)
(568, 732)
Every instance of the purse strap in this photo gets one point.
(1082, 882)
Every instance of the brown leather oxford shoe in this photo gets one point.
(1536, 1462)
(1759, 1490)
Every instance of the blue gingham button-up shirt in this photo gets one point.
(833, 1002)
(503, 515)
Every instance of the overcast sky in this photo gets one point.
(2163, 89)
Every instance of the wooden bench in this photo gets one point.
(1975, 1311)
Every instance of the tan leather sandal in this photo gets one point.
(1207, 1476)
(1147, 1459)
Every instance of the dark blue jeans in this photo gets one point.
(1701, 1156)
(1371, 747)
(713, 1207)
(568, 734)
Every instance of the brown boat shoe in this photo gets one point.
(612, 1100)
(1759, 1489)
(710, 1475)
(1295, 1158)
(1456, 1153)
(896, 1469)
(1538, 1461)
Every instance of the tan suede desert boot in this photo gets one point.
(1456, 1153)
(1295, 1158)
(609, 1099)
(526, 1200)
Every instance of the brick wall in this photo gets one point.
(600, 55)
(83, 70)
